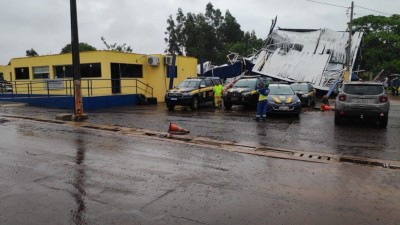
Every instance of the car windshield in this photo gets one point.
(299, 87)
(188, 84)
(363, 89)
(245, 83)
(280, 90)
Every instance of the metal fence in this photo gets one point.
(90, 87)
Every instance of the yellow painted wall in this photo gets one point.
(153, 76)
(7, 72)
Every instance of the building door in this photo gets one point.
(115, 78)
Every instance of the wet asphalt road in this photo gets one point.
(313, 131)
(56, 174)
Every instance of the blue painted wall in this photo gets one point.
(67, 102)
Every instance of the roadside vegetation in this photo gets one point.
(211, 36)
(380, 47)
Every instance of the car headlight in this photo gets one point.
(245, 94)
(186, 94)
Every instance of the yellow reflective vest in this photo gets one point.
(218, 90)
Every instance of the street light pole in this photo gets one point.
(78, 112)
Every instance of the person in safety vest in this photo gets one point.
(263, 92)
(218, 89)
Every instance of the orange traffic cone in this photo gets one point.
(325, 107)
(175, 129)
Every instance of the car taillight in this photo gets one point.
(342, 98)
(383, 99)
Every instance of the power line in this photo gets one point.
(373, 10)
(346, 7)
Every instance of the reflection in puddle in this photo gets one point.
(78, 215)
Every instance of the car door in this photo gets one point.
(202, 91)
(209, 90)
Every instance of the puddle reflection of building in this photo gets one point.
(79, 178)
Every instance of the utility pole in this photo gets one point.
(348, 72)
(78, 112)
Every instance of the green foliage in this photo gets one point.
(83, 47)
(116, 47)
(381, 43)
(210, 36)
(31, 53)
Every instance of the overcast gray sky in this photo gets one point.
(44, 25)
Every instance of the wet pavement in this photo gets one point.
(57, 174)
(313, 131)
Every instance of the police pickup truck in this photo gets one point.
(191, 92)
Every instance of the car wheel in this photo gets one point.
(338, 120)
(383, 122)
(195, 104)
(170, 106)
(228, 105)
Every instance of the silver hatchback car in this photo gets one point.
(363, 100)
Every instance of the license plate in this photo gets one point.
(234, 99)
(284, 108)
(174, 99)
(362, 100)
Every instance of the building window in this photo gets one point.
(22, 73)
(63, 71)
(87, 70)
(41, 72)
(91, 70)
(127, 70)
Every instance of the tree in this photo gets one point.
(248, 45)
(31, 53)
(83, 47)
(230, 29)
(116, 47)
(176, 39)
(209, 36)
(172, 40)
(380, 46)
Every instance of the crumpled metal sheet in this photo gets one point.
(318, 56)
